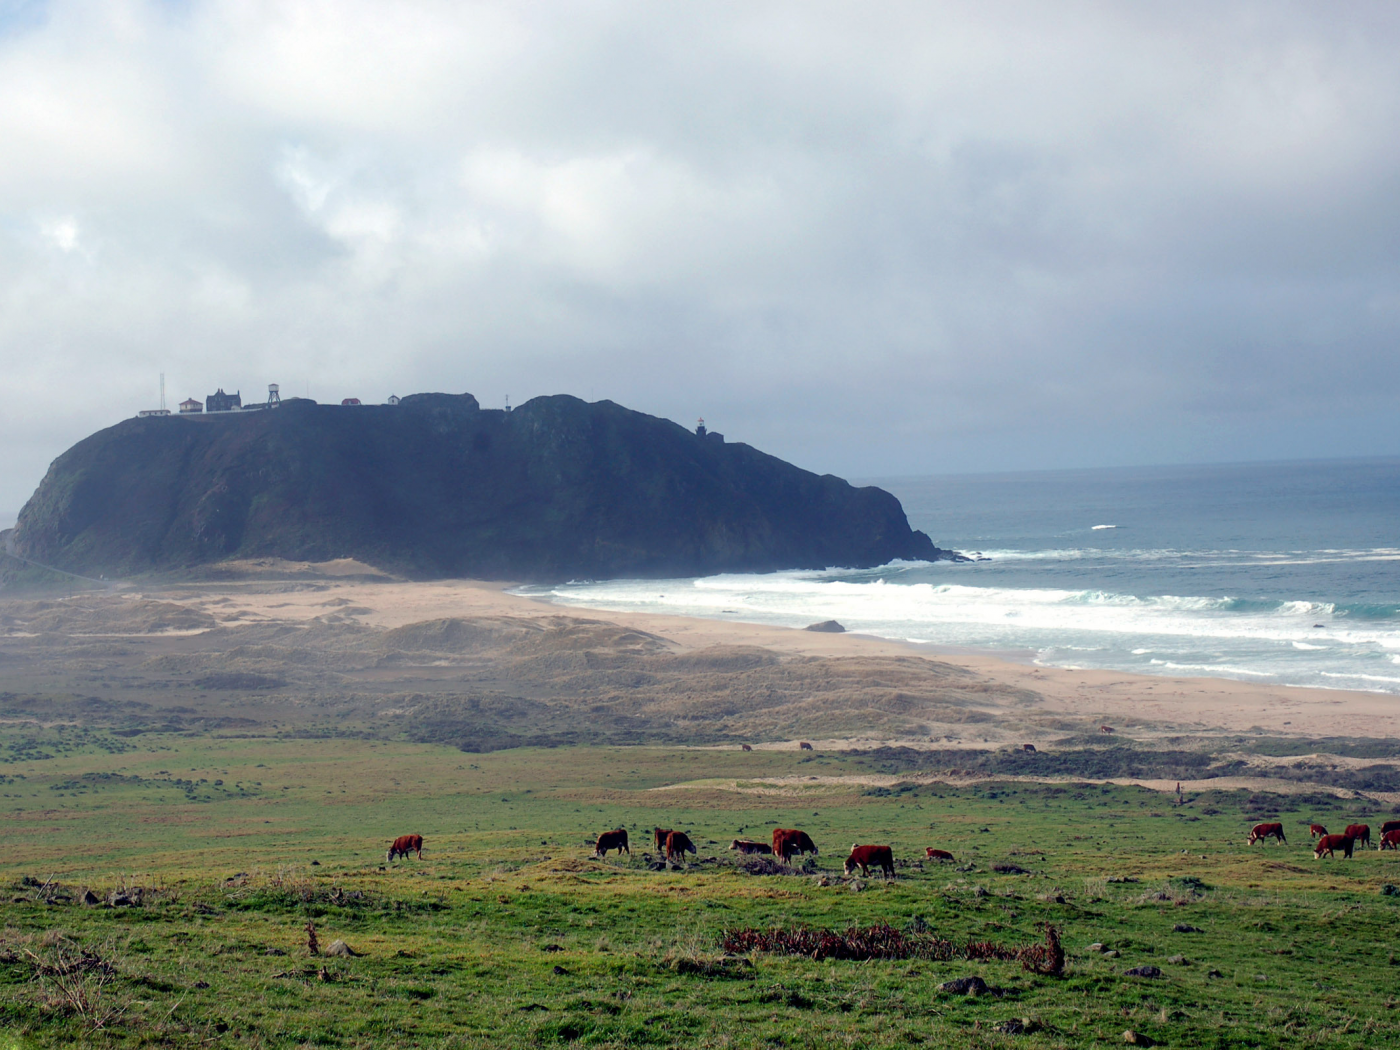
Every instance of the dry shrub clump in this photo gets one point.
(860, 943)
(72, 980)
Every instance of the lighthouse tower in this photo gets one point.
(700, 428)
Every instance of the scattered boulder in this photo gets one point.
(1183, 927)
(965, 986)
(1110, 953)
(125, 898)
(1214, 973)
(826, 627)
(1097, 946)
(1179, 960)
(857, 885)
(559, 971)
(274, 951)
(1009, 869)
(1016, 1026)
(341, 948)
(89, 898)
(1143, 971)
(1137, 1039)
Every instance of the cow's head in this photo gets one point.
(850, 865)
(734, 844)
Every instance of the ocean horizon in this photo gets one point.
(1283, 572)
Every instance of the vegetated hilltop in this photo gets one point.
(436, 486)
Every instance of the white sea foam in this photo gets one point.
(1169, 634)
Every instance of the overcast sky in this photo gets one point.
(870, 238)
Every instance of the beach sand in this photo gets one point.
(1149, 705)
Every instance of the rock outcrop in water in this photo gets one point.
(438, 487)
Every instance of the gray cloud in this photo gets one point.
(907, 239)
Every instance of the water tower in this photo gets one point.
(274, 395)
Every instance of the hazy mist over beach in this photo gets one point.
(909, 240)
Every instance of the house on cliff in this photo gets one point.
(221, 402)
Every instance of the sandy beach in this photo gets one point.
(1149, 705)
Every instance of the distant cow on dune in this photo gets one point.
(610, 840)
(1360, 833)
(403, 846)
(1260, 832)
(1328, 843)
(1105, 729)
(864, 856)
(746, 747)
(1316, 831)
(804, 746)
(678, 844)
(1391, 839)
(790, 841)
(938, 854)
(749, 846)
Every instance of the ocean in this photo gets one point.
(1274, 572)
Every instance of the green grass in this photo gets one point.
(461, 948)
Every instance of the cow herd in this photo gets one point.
(786, 844)
(1328, 844)
(791, 842)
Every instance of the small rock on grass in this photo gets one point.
(341, 948)
(965, 986)
(1182, 927)
(1143, 971)
(1137, 1038)
(1179, 960)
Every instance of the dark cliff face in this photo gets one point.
(436, 486)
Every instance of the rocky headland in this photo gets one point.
(437, 487)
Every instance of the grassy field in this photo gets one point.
(508, 933)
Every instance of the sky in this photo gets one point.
(873, 239)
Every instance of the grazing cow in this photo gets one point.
(788, 841)
(608, 840)
(659, 837)
(804, 746)
(403, 846)
(1105, 729)
(749, 846)
(1316, 831)
(746, 747)
(864, 856)
(1328, 843)
(678, 844)
(938, 854)
(1261, 832)
(1359, 832)
(1391, 839)
(1390, 825)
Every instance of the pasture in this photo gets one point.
(508, 933)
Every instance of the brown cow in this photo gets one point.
(1105, 729)
(403, 846)
(1390, 825)
(1328, 843)
(1261, 832)
(659, 837)
(787, 841)
(864, 856)
(616, 839)
(1316, 831)
(1028, 747)
(678, 843)
(1361, 833)
(804, 746)
(746, 747)
(749, 846)
(1391, 839)
(937, 854)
